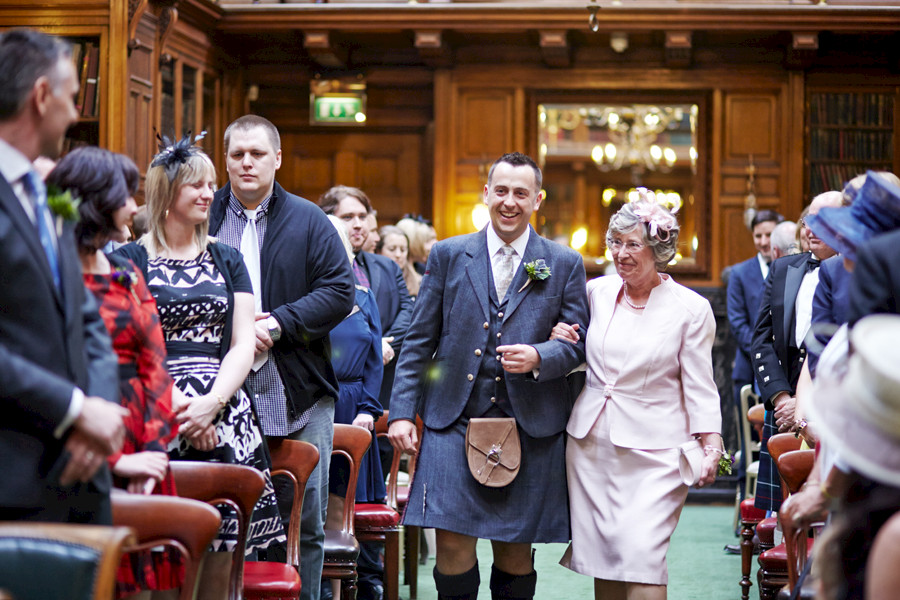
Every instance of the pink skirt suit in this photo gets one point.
(649, 388)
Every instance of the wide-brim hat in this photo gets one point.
(859, 415)
(876, 209)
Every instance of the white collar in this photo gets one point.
(13, 164)
(494, 243)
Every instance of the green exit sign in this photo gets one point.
(339, 109)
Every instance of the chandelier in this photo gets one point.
(632, 133)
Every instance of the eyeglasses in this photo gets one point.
(630, 247)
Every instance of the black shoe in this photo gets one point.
(370, 591)
(736, 548)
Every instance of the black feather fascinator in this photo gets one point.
(174, 154)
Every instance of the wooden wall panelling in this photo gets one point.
(140, 143)
(385, 166)
(444, 149)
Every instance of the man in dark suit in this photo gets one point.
(745, 285)
(303, 288)
(478, 348)
(59, 419)
(778, 350)
(384, 278)
(875, 284)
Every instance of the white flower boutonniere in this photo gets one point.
(537, 270)
(63, 206)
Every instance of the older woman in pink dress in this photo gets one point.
(649, 389)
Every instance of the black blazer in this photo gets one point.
(307, 285)
(776, 363)
(50, 342)
(875, 283)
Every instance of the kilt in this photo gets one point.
(532, 509)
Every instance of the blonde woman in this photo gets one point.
(421, 235)
(206, 309)
(394, 244)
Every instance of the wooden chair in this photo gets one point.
(188, 525)
(61, 560)
(397, 496)
(341, 546)
(750, 516)
(749, 450)
(236, 486)
(381, 523)
(295, 460)
(772, 574)
(795, 467)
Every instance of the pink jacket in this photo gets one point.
(665, 391)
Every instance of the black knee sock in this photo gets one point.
(506, 586)
(457, 587)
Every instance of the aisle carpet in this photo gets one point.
(698, 568)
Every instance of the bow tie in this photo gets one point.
(812, 264)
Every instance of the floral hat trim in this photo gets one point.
(658, 218)
(174, 154)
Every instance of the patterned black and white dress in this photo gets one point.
(192, 298)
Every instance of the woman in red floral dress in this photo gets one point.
(105, 183)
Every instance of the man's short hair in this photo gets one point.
(329, 201)
(764, 216)
(248, 122)
(517, 159)
(25, 56)
(784, 237)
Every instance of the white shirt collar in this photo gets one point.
(763, 266)
(13, 164)
(494, 243)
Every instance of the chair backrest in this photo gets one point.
(381, 431)
(777, 445)
(794, 466)
(60, 560)
(351, 442)
(756, 416)
(748, 399)
(295, 460)
(236, 486)
(189, 525)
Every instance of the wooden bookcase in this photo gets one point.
(848, 132)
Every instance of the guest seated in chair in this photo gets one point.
(649, 390)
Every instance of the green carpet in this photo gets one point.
(698, 568)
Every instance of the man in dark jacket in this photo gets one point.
(303, 287)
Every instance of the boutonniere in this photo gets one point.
(63, 206)
(537, 270)
(127, 279)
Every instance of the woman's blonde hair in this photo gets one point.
(418, 234)
(160, 194)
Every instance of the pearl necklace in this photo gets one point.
(628, 300)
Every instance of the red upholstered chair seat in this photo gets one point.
(272, 579)
(375, 516)
(749, 512)
(775, 559)
(765, 531)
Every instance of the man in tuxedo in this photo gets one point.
(478, 348)
(59, 418)
(303, 288)
(384, 278)
(778, 350)
(875, 284)
(745, 286)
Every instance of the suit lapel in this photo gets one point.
(792, 281)
(476, 269)
(533, 251)
(9, 202)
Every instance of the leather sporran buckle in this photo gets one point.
(493, 451)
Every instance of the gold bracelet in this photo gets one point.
(824, 489)
(221, 400)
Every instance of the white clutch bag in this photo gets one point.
(690, 460)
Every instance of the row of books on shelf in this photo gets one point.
(851, 109)
(86, 56)
(851, 144)
(823, 178)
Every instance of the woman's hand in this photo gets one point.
(708, 469)
(198, 414)
(365, 420)
(563, 331)
(204, 439)
(140, 468)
